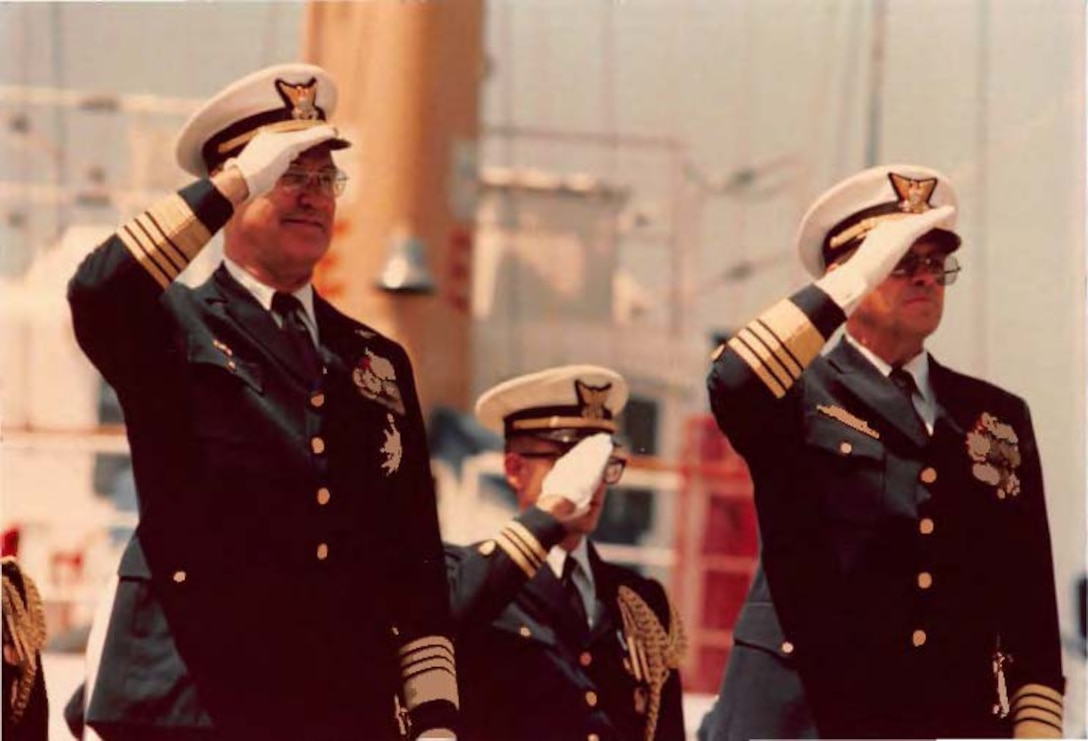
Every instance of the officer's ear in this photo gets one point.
(513, 467)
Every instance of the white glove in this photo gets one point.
(269, 154)
(878, 255)
(577, 474)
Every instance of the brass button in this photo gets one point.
(231, 365)
(585, 658)
(317, 400)
(928, 475)
(925, 526)
(222, 347)
(317, 445)
(918, 638)
(593, 737)
(322, 552)
(486, 548)
(591, 698)
(845, 448)
(180, 576)
(394, 630)
(925, 580)
(787, 647)
(323, 495)
(524, 631)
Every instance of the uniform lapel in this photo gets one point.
(337, 340)
(545, 593)
(242, 309)
(950, 408)
(606, 589)
(876, 393)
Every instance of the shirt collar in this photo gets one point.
(264, 293)
(918, 366)
(557, 556)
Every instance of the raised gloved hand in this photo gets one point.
(575, 476)
(267, 155)
(878, 255)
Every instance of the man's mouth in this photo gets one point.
(307, 221)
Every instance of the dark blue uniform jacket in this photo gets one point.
(529, 671)
(287, 571)
(895, 566)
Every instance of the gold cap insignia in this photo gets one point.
(913, 195)
(592, 399)
(300, 98)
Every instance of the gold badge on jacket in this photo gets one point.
(392, 449)
(995, 454)
(848, 419)
(376, 379)
(652, 652)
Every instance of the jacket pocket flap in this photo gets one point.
(757, 626)
(843, 435)
(133, 564)
(218, 356)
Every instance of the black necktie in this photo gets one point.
(574, 596)
(289, 309)
(904, 381)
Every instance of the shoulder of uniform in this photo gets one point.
(647, 611)
(650, 590)
(372, 336)
(979, 389)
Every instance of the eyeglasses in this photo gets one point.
(329, 182)
(613, 470)
(943, 268)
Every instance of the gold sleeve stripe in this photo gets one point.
(430, 685)
(165, 238)
(153, 248)
(427, 656)
(143, 257)
(766, 356)
(1035, 701)
(186, 232)
(161, 238)
(797, 331)
(528, 540)
(427, 667)
(418, 668)
(771, 340)
(1045, 715)
(1038, 690)
(1036, 728)
(757, 367)
(426, 642)
(527, 553)
(511, 549)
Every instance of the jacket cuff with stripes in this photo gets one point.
(1036, 712)
(780, 343)
(166, 237)
(429, 684)
(527, 538)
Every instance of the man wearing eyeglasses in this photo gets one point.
(905, 587)
(553, 642)
(286, 577)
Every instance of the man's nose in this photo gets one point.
(923, 276)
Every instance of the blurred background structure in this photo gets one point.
(544, 183)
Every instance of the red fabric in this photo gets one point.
(10, 543)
